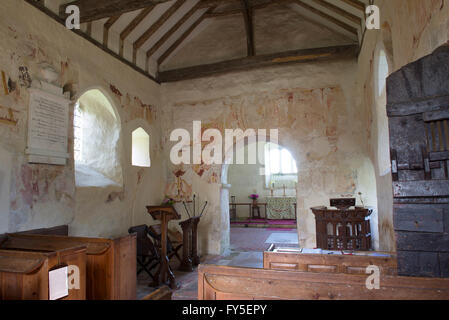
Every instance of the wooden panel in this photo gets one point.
(99, 9)
(428, 219)
(283, 266)
(76, 258)
(57, 231)
(125, 253)
(111, 264)
(26, 279)
(229, 282)
(60, 253)
(430, 188)
(418, 264)
(322, 268)
(268, 60)
(420, 241)
(436, 115)
(327, 263)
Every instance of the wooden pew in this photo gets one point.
(111, 264)
(291, 259)
(55, 256)
(55, 231)
(24, 275)
(233, 283)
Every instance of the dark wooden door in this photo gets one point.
(418, 111)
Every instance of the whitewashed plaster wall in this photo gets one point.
(5, 181)
(45, 196)
(314, 108)
(410, 29)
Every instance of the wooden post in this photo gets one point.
(195, 257)
(186, 264)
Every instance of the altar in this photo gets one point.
(281, 208)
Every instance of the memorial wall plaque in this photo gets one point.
(48, 128)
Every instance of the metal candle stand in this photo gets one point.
(190, 237)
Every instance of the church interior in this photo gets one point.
(224, 149)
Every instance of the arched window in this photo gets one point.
(383, 139)
(141, 148)
(382, 72)
(280, 167)
(96, 142)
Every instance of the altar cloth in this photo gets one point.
(281, 208)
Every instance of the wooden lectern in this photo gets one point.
(164, 214)
(190, 244)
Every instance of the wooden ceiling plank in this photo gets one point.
(108, 25)
(215, 3)
(91, 10)
(162, 19)
(248, 63)
(248, 17)
(181, 39)
(132, 26)
(339, 11)
(223, 13)
(175, 28)
(238, 11)
(326, 16)
(355, 4)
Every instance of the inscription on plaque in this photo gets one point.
(48, 128)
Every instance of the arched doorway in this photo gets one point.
(275, 176)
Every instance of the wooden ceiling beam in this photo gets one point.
(162, 19)
(243, 64)
(40, 6)
(355, 4)
(345, 14)
(248, 17)
(91, 10)
(132, 26)
(326, 16)
(181, 39)
(175, 28)
(215, 3)
(237, 11)
(223, 13)
(108, 25)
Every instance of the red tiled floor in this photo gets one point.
(247, 246)
(252, 239)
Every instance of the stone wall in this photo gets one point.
(314, 109)
(44, 195)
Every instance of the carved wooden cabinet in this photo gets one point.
(343, 229)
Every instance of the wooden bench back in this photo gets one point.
(293, 260)
(111, 264)
(58, 255)
(24, 275)
(234, 283)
